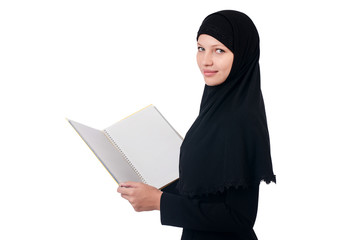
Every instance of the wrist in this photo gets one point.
(158, 200)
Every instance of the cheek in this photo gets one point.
(198, 60)
(228, 65)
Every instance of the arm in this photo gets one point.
(234, 209)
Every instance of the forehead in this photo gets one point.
(207, 40)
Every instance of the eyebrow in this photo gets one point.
(214, 45)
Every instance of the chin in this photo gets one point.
(212, 83)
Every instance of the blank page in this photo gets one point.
(150, 143)
(108, 154)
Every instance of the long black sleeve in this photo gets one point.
(234, 210)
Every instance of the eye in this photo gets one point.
(200, 49)
(219, 50)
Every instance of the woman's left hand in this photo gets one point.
(142, 197)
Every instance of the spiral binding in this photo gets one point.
(124, 155)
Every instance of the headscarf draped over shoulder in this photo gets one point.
(228, 144)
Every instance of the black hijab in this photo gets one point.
(228, 144)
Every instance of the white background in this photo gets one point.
(99, 61)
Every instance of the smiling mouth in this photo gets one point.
(208, 73)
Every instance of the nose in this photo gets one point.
(207, 59)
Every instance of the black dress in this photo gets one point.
(226, 152)
(223, 216)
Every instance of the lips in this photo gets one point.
(209, 73)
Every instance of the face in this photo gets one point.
(214, 60)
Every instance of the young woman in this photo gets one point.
(226, 152)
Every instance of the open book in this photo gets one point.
(143, 147)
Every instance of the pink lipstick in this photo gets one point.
(209, 73)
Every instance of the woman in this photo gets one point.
(226, 152)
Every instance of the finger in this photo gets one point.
(127, 197)
(125, 191)
(121, 189)
(130, 184)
